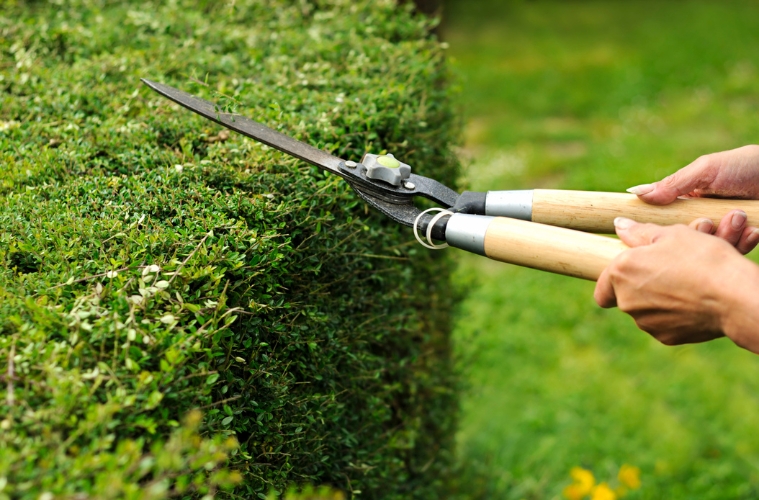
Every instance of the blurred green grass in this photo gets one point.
(597, 96)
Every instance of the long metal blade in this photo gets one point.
(250, 128)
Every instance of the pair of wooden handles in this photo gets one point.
(554, 240)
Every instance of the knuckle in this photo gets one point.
(671, 180)
(704, 162)
(620, 264)
(628, 304)
(704, 168)
(626, 307)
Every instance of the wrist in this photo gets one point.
(739, 307)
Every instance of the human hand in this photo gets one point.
(682, 286)
(733, 174)
(732, 228)
(729, 174)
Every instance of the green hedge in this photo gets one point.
(185, 312)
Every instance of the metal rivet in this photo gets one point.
(409, 185)
(351, 164)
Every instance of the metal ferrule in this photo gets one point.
(514, 204)
(467, 232)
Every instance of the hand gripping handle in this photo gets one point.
(548, 248)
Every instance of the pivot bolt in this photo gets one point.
(351, 164)
(409, 185)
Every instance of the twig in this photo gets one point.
(218, 403)
(96, 276)
(375, 256)
(176, 273)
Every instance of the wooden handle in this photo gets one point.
(550, 248)
(595, 211)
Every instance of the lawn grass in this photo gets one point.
(598, 96)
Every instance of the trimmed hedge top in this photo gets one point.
(183, 309)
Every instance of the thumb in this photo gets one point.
(695, 176)
(634, 234)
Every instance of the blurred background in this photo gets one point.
(597, 96)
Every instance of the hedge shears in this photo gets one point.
(544, 229)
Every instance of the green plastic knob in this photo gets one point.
(385, 168)
(388, 161)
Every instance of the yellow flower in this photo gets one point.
(603, 492)
(629, 476)
(583, 477)
(583, 485)
(574, 492)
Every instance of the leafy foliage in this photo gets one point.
(155, 266)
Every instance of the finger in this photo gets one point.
(604, 293)
(697, 175)
(731, 226)
(749, 240)
(634, 234)
(702, 225)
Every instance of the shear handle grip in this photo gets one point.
(548, 248)
(595, 211)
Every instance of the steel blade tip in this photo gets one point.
(158, 87)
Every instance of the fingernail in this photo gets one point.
(623, 223)
(738, 219)
(705, 226)
(642, 189)
(753, 237)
